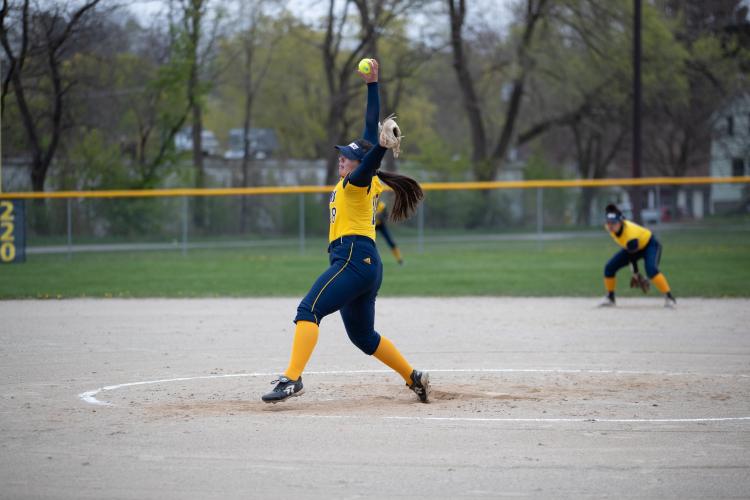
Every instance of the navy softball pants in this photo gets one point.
(651, 255)
(350, 286)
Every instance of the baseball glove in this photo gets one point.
(390, 135)
(638, 281)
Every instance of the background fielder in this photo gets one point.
(637, 243)
(381, 214)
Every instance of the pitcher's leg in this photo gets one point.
(330, 292)
(305, 338)
(359, 320)
(389, 355)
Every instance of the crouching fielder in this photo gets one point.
(637, 242)
(353, 279)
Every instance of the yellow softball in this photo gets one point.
(365, 66)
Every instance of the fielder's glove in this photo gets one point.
(638, 281)
(390, 135)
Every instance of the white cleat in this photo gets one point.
(420, 385)
(607, 302)
(670, 303)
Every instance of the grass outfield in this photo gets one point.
(698, 262)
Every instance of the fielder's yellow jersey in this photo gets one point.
(352, 209)
(381, 207)
(631, 231)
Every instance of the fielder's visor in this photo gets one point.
(613, 217)
(353, 151)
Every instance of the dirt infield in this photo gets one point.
(532, 397)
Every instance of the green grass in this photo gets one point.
(698, 262)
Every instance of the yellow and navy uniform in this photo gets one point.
(632, 237)
(380, 216)
(353, 279)
(352, 209)
(637, 242)
(379, 212)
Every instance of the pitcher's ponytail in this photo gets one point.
(408, 194)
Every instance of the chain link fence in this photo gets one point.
(185, 219)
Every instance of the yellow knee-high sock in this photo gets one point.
(609, 284)
(660, 282)
(389, 355)
(396, 253)
(305, 338)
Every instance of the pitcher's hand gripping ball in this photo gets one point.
(365, 66)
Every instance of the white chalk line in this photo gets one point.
(90, 396)
(540, 420)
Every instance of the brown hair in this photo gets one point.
(408, 194)
(612, 209)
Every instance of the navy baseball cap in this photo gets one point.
(614, 217)
(354, 150)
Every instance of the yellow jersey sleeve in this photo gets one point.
(352, 209)
(637, 236)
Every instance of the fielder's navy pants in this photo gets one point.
(383, 229)
(651, 255)
(350, 286)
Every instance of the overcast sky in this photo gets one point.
(495, 13)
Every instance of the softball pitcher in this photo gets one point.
(637, 242)
(381, 214)
(353, 279)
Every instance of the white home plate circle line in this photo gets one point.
(90, 396)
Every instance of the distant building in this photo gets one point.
(263, 144)
(183, 141)
(730, 152)
(16, 174)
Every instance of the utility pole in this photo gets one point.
(635, 197)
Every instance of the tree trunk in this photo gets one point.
(533, 15)
(466, 83)
(485, 166)
(199, 214)
(244, 206)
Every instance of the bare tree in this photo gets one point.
(374, 17)
(339, 64)
(486, 163)
(253, 74)
(136, 95)
(43, 32)
(198, 41)
(598, 137)
(681, 129)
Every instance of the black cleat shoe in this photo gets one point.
(285, 389)
(420, 385)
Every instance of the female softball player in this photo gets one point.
(351, 283)
(381, 214)
(637, 242)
